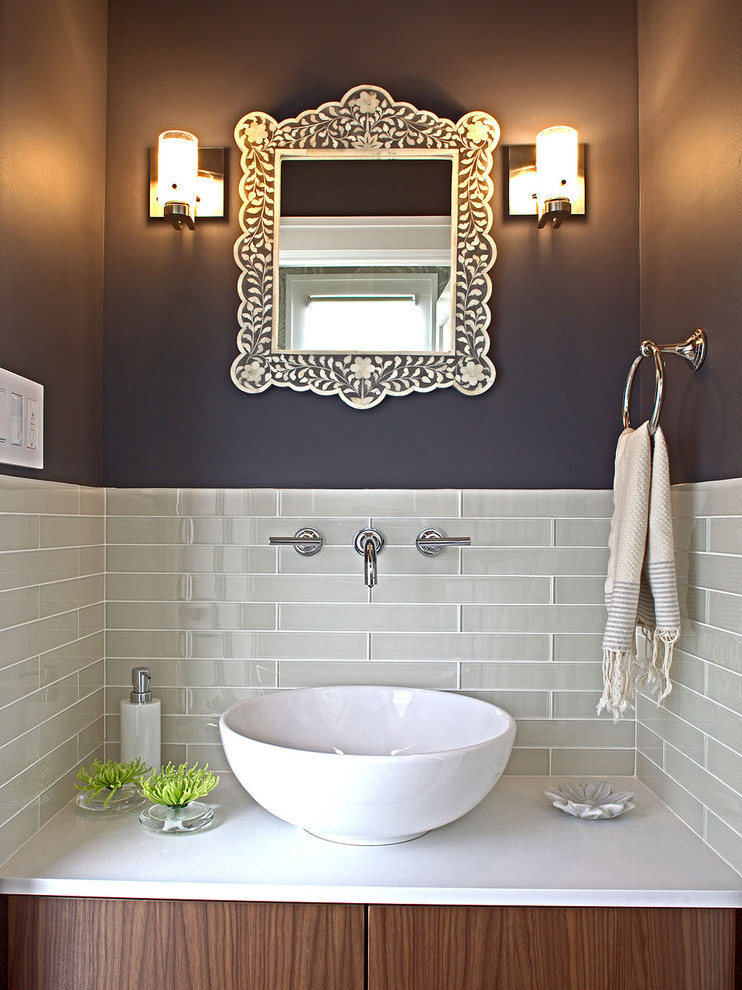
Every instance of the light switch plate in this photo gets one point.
(21, 421)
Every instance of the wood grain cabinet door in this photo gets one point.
(529, 948)
(60, 943)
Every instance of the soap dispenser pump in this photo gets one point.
(140, 722)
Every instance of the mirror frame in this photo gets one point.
(366, 123)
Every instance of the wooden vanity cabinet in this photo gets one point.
(551, 948)
(69, 943)
(78, 943)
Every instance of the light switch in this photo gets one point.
(4, 426)
(21, 421)
(32, 424)
(16, 419)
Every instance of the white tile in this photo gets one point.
(338, 532)
(577, 734)
(530, 762)
(55, 664)
(21, 642)
(197, 673)
(370, 618)
(19, 828)
(670, 727)
(61, 596)
(18, 532)
(725, 688)
(18, 680)
(34, 495)
(535, 560)
(708, 498)
(368, 502)
(227, 502)
(458, 589)
(567, 502)
(36, 708)
(717, 645)
(725, 803)
(141, 502)
(505, 532)
(159, 559)
(533, 676)
(392, 560)
(582, 532)
(725, 534)
(29, 567)
(576, 704)
(717, 571)
(70, 531)
(578, 646)
(610, 762)
(533, 618)
(458, 646)
(519, 704)
(675, 797)
(726, 764)
(215, 700)
(437, 676)
(725, 611)
(19, 754)
(724, 841)
(92, 501)
(649, 745)
(705, 715)
(20, 605)
(191, 615)
(579, 590)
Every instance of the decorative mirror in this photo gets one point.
(365, 250)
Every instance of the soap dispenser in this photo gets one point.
(140, 722)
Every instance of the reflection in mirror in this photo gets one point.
(378, 282)
(365, 250)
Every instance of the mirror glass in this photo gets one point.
(365, 250)
(364, 254)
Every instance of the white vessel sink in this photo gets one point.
(367, 765)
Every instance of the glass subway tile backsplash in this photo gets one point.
(52, 563)
(194, 590)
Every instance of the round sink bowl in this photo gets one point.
(367, 765)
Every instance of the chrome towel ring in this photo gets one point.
(693, 350)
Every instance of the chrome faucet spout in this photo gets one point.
(369, 543)
(369, 563)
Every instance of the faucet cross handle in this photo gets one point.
(369, 543)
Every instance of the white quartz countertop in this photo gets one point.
(514, 848)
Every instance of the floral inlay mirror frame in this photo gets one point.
(366, 122)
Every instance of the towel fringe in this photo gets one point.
(654, 667)
(618, 681)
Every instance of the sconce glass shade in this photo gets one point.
(556, 172)
(177, 168)
(210, 189)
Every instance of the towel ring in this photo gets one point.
(646, 348)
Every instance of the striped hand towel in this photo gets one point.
(658, 612)
(640, 585)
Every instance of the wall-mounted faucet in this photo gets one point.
(369, 543)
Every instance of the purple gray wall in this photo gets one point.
(690, 94)
(52, 177)
(565, 304)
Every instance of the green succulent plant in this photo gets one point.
(110, 775)
(176, 787)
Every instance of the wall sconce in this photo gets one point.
(547, 179)
(185, 181)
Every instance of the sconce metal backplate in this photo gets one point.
(209, 160)
(520, 165)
